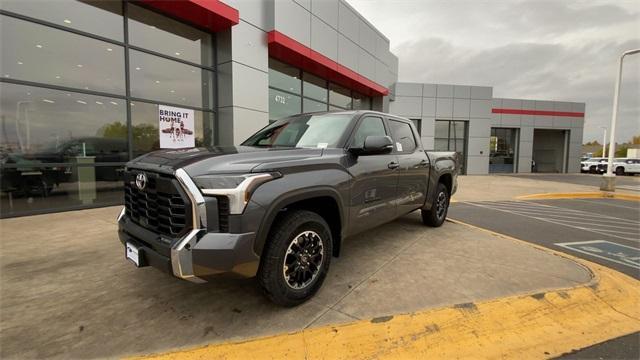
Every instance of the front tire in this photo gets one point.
(436, 216)
(296, 259)
(620, 171)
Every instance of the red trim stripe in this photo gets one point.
(213, 15)
(538, 112)
(290, 51)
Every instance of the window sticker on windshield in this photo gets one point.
(322, 145)
(399, 146)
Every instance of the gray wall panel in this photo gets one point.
(324, 39)
(327, 10)
(347, 53)
(293, 20)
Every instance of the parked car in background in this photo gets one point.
(591, 165)
(622, 166)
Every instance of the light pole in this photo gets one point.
(604, 141)
(608, 180)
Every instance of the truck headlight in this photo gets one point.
(237, 188)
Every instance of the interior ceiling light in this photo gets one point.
(113, 102)
(109, 49)
(20, 63)
(79, 65)
(81, 102)
(48, 101)
(57, 76)
(39, 46)
(67, 21)
(177, 53)
(157, 81)
(137, 68)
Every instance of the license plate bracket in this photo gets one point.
(132, 253)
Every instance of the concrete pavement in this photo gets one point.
(68, 292)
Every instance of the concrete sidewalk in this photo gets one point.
(68, 292)
(508, 187)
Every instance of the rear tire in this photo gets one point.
(436, 216)
(296, 259)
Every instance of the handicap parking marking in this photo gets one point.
(607, 250)
(582, 220)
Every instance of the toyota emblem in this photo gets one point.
(141, 181)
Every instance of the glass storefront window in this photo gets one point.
(282, 104)
(361, 102)
(38, 53)
(451, 135)
(144, 126)
(315, 88)
(502, 150)
(102, 18)
(156, 78)
(284, 77)
(313, 106)
(156, 32)
(41, 125)
(339, 96)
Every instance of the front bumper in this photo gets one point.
(198, 254)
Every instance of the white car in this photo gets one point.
(622, 166)
(591, 165)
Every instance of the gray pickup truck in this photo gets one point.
(280, 205)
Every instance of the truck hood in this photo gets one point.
(228, 159)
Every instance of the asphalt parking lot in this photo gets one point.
(605, 231)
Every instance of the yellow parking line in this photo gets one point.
(580, 195)
(541, 325)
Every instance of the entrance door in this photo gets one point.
(503, 156)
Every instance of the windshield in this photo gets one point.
(316, 131)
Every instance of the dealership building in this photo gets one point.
(86, 86)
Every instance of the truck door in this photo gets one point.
(373, 186)
(413, 173)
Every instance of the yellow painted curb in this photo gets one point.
(539, 325)
(580, 195)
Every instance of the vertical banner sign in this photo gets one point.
(176, 127)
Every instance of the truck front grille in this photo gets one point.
(223, 213)
(161, 206)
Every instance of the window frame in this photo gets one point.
(357, 125)
(415, 142)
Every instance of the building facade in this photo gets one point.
(494, 135)
(85, 86)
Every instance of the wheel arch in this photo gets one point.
(324, 201)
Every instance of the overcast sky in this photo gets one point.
(544, 50)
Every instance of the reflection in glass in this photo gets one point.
(102, 18)
(451, 135)
(144, 125)
(339, 96)
(313, 106)
(153, 31)
(41, 54)
(49, 126)
(361, 102)
(155, 78)
(28, 188)
(502, 150)
(284, 77)
(315, 87)
(283, 104)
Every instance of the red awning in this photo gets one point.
(209, 14)
(287, 50)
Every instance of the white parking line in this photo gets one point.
(607, 204)
(546, 218)
(581, 216)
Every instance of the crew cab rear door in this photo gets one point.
(413, 172)
(374, 179)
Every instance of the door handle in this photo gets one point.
(393, 165)
(423, 163)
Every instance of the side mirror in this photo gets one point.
(374, 145)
